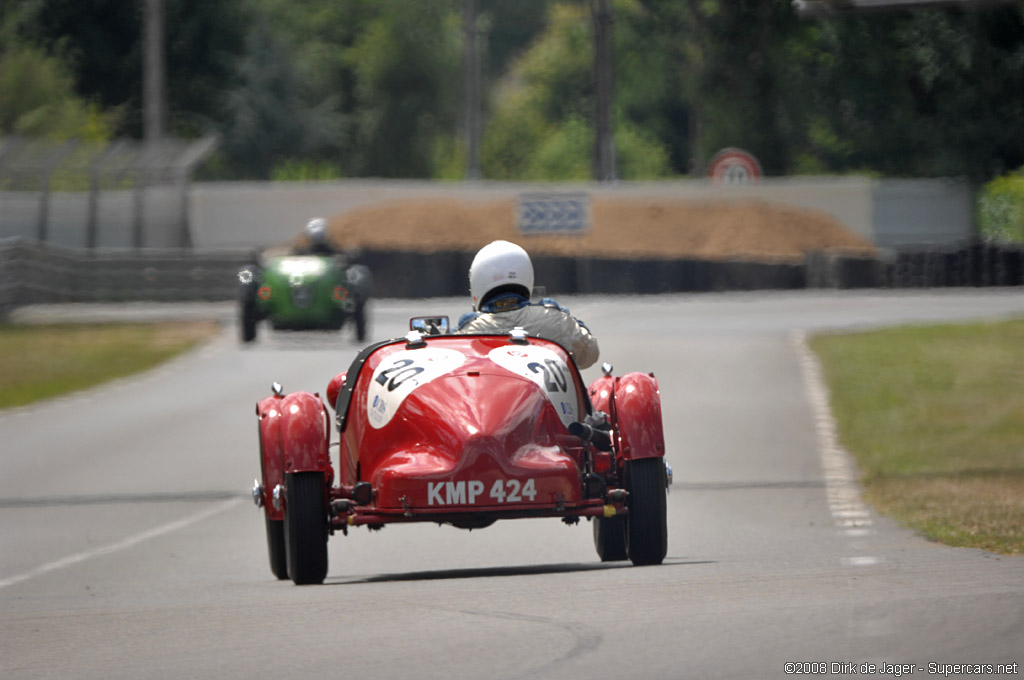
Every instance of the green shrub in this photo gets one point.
(640, 155)
(295, 170)
(565, 155)
(1001, 208)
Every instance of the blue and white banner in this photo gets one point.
(554, 213)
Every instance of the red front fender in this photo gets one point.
(294, 437)
(633, 402)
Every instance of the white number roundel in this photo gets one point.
(545, 368)
(400, 373)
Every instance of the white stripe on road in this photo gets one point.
(841, 485)
(123, 544)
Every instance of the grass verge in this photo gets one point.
(934, 417)
(43, 361)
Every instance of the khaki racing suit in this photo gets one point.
(544, 320)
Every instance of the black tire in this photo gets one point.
(305, 527)
(275, 548)
(610, 538)
(361, 325)
(647, 521)
(248, 320)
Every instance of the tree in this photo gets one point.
(100, 43)
(542, 122)
(268, 122)
(923, 93)
(37, 95)
(407, 66)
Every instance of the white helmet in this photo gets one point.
(498, 264)
(316, 231)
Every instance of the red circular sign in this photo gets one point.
(734, 166)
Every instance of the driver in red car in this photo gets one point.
(501, 281)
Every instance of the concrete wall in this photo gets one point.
(891, 213)
(260, 214)
(918, 212)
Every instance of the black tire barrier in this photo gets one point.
(980, 264)
(33, 273)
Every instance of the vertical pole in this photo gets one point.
(94, 191)
(605, 166)
(42, 226)
(471, 87)
(184, 228)
(153, 72)
(139, 203)
(153, 107)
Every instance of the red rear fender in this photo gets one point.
(633, 402)
(294, 437)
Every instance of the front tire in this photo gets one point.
(647, 521)
(305, 527)
(361, 325)
(248, 320)
(276, 549)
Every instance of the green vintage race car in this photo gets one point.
(304, 292)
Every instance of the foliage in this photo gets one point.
(727, 66)
(406, 66)
(268, 120)
(297, 170)
(37, 99)
(100, 43)
(374, 87)
(516, 128)
(541, 126)
(928, 93)
(379, 78)
(1001, 208)
(37, 96)
(449, 158)
(564, 154)
(640, 154)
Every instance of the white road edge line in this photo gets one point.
(123, 544)
(841, 486)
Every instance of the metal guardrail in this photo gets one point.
(37, 170)
(35, 273)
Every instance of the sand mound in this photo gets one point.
(623, 228)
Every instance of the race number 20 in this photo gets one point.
(545, 368)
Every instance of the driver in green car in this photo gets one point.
(316, 241)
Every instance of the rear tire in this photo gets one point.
(275, 548)
(305, 527)
(610, 538)
(647, 521)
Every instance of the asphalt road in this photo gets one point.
(129, 547)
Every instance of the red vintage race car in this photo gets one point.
(463, 430)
